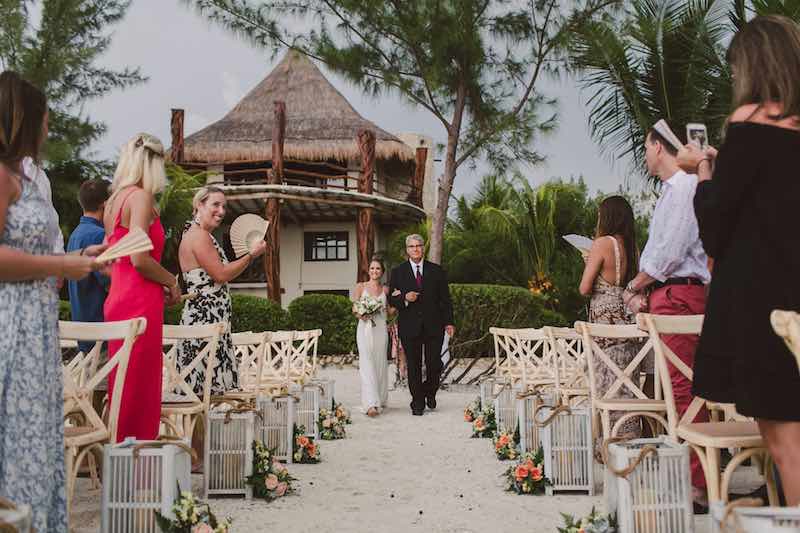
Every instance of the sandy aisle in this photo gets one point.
(395, 473)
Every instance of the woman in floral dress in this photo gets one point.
(31, 390)
(613, 257)
(206, 273)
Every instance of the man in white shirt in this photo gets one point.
(674, 267)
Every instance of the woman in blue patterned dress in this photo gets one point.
(31, 397)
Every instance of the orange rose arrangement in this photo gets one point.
(527, 476)
(472, 410)
(484, 424)
(270, 479)
(506, 445)
(305, 450)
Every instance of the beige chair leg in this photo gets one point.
(713, 476)
(71, 474)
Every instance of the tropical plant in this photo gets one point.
(175, 208)
(661, 59)
(475, 65)
(55, 44)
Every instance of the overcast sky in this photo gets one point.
(194, 65)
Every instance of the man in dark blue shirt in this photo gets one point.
(87, 296)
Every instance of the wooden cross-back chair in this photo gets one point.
(302, 357)
(521, 356)
(626, 379)
(268, 364)
(570, 385)
(705, 438)
(249, 348)
(181, 406)
(88, 431)
(787, 326)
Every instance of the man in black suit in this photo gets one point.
(418, 290)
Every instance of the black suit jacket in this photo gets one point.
(433, 309)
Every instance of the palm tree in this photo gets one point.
(661, 59)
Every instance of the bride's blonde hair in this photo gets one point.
(141, 163)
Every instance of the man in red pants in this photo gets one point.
(675, 268)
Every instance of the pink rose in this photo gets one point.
(271, 482)
(202, 528)
(278, 466)
(326, 423)
(280, 490)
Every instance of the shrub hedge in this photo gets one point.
(250, 313)
(64, 310)
(478, 307)
(331, 313)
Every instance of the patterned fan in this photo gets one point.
(136, 241)
(246, 231)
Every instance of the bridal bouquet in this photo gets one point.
(270, 479)
(305, 449)
(191, 516)
(484, 424)
(527, 477)
(331, 427)
(367, 307)
(506, 445)
(472, 410)
(594, 523)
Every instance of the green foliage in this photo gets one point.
(175, 206)
(64, 310)
(661, 59)
(55, 45)
(478, 307)
(332, 314)
(250, 313)
(66, 176)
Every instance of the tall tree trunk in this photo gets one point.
(445, 187)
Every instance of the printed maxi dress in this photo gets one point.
(31, 388)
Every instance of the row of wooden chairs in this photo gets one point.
(266, 361)
(549, 358)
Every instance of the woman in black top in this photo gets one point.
(748, 219)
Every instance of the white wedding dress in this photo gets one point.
(373, 342)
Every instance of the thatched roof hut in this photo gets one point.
(321, 124)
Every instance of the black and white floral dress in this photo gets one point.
(212, 305)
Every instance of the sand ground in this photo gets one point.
(394, 473)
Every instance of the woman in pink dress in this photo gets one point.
(139, 283)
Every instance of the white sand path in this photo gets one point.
(394, 473)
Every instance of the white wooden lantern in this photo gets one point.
(327, 391)
(755, 519)
(505, 408)
(527, 406)
(139, 478)
(275, 426)
(229, 452)
(656, 495)
(306, 412)
(488, 388)
(566, 437)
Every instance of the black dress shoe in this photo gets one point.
(431, 402)
(417, 412)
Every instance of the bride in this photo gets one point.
(373, 340)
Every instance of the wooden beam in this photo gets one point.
(272, 258)
(365, 228)
(176, 128)
(418, 180)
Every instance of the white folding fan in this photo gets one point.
(583, 244)
(136, 241)
(246, 231)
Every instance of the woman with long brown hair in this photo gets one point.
(31, 390)
(612, 263)
(747, 215)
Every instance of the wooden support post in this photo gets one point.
(176, 128)
(365, 230)
(272, 257)
(418, 180)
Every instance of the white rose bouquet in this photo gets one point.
(367, 307)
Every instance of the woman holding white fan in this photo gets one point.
(370, 306)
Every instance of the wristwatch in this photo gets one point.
(629, 288)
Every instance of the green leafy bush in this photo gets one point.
(250, 313)
(478, 307)
(332, 314)
(64, 310)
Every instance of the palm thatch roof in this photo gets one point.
(320, 123)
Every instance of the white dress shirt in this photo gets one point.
(414, 267)
(38, 176)
(673, 248)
